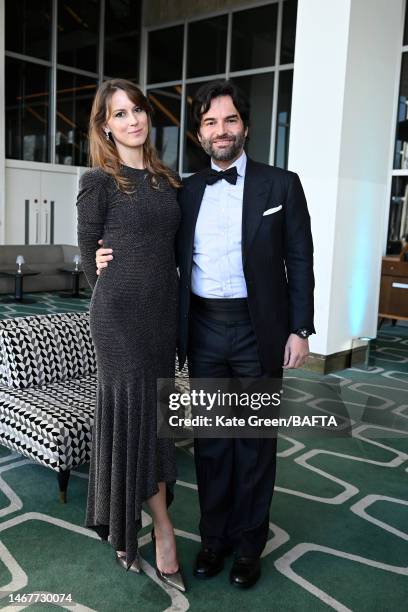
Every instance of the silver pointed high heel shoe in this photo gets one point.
(134, 567)
(175, 579)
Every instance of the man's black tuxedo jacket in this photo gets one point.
(277, 256)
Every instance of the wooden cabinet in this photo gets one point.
(394, 289)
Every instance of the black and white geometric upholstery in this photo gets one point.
(39, 350)
(51, 424)
(48, 388)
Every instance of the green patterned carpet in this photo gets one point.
(46, 303)
(338, 531)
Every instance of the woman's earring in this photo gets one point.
(107, 135)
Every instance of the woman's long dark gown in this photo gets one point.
(133, 325)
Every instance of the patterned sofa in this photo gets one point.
(47, 390)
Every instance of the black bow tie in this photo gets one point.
(229, 175)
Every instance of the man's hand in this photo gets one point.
(103, 256)
(296, 352)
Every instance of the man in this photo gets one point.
(245, 258)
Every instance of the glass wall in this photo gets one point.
(74, 100)
(165, 55)
(122, 38)
(259, 90)
(166, 103)
(253, 47)
(28, 27)
(211, 35)
(253, 38)
(57, 53)
(27, 104)
(194, 157)
(283, 118)
(78, 34)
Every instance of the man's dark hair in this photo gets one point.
(207, 92)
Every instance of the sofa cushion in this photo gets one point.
(77, 346)
(39, 350)
(31, 355)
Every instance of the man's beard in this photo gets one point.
(227, 153)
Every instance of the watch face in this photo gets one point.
(303, 333)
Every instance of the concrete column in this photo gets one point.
(342, 126)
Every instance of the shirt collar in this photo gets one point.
(240, 164)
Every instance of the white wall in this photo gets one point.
(346, 65)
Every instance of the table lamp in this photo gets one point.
(20, 261)
(77, 261)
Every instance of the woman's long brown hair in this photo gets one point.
(104, 154)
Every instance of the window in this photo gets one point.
(78, 28)
(27, 103)
(287, 51)
(254, 38)
(194, 157)
(283, 118)
(58, 71)
(166, 103)
(211, 35)
(165, 55)
(122, 39)
(241, 45)
(259, 90)
(28, 27)
(74, 100)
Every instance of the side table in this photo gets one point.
(18, 286)
(75, 291)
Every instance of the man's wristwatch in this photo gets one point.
(302, 332)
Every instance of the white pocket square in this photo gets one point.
(270, 211)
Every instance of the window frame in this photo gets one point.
(276, 69)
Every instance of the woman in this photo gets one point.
(129, 200)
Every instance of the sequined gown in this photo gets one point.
(133, 325)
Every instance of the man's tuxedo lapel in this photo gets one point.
(256, 190)
(194, 195)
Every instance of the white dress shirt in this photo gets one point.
(217, 258)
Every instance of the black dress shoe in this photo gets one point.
(209, 563)
(245, 571)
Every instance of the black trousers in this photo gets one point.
(235, 477)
